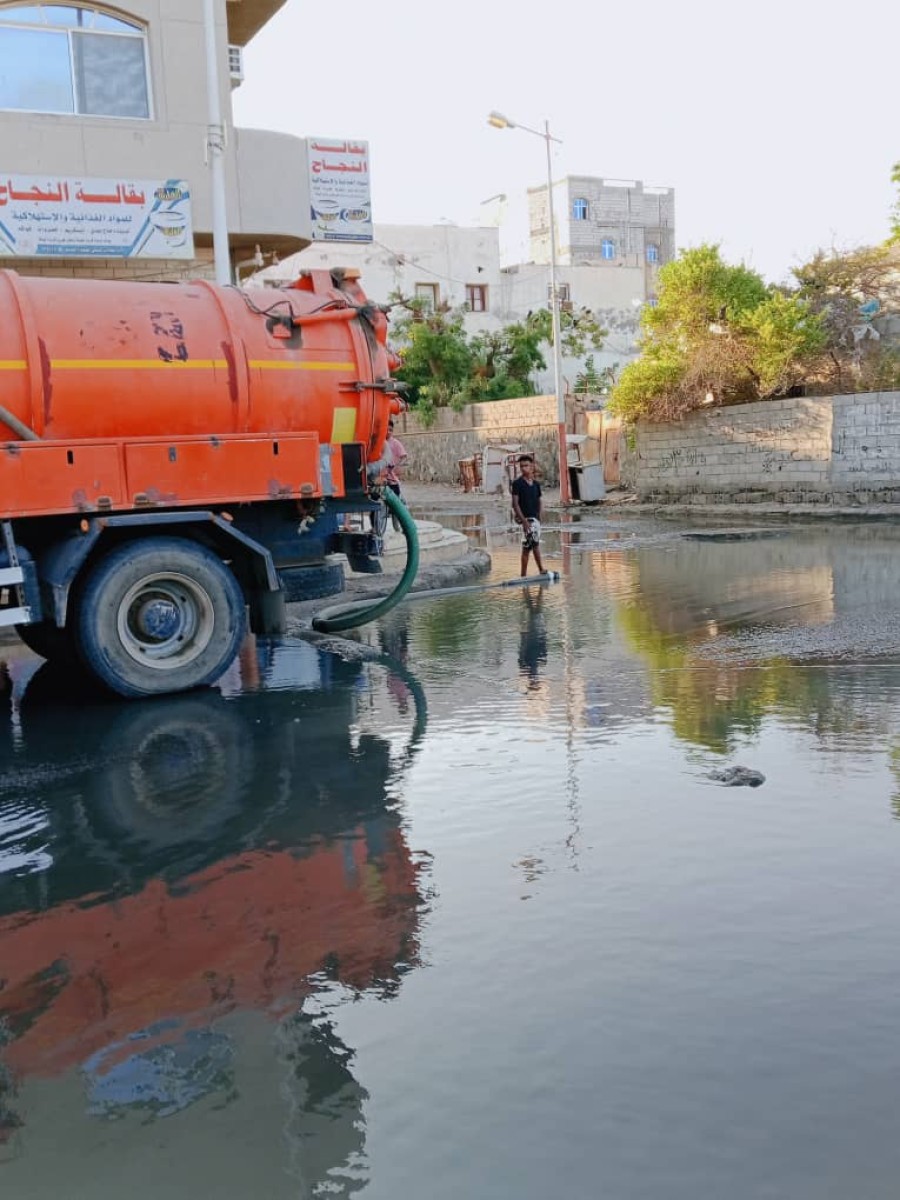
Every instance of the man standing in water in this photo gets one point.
(528, 508)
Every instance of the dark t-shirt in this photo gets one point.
(528, 495)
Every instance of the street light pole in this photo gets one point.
(499, 121)
(215, 147)
(564, 493)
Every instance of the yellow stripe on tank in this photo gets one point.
(269, 364)
(136, 364)
(158, 364)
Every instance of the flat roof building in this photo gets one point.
(604, 222)
(96, 102)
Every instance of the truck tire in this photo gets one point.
(176, 776)
(49, 641)
(157, 615)
(312, 583)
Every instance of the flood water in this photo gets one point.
(470, 919)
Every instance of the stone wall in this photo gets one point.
(435, 451)
(830, 449)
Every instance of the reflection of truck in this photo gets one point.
(182, 454)
(194, 861)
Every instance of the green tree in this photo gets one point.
(698, 289)
(717, 331)
(591, 381)
(787, 338)
(444, 366)
(895, 211)
(845, 292)
(579, 330)
(505, 360)
(435, 355)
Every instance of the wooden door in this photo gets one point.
(610, 449)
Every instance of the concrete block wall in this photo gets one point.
(866, 442)
(133, 269)
(835, 449)
(435, 451)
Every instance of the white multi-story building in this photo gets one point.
(92, 92)
(460, 267)
(613, 237)
(442, 264)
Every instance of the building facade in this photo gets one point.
(607, 223)
(91, 91)
(444, 265)
(460, 267)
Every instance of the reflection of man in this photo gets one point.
(528, 508)
(533, 638)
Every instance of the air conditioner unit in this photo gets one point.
(236, 65)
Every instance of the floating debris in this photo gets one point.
(738, 777)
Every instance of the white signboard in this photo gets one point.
(339, 191)
(86, 218)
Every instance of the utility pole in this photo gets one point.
(564, 492)
(499, 121)
(215, 147)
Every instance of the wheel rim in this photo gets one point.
(165, 620)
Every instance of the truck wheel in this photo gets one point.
(311, 583)
(49, 641)
(159, 615)
(177, 774)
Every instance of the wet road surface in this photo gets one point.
(471, 919)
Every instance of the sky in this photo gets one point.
(775, 122)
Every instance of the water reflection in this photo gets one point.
(734, 630)
(711, 635)
(182, 876)
(533, 637)
(206, 901)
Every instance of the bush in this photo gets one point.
(719, 334)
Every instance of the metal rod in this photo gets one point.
(25, 432)
(215, 147)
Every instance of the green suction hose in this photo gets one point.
(360, 612)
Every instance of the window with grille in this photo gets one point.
(62, 58)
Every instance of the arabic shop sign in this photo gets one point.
(339, 191)
(86, 218)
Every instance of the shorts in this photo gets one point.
(531, 533)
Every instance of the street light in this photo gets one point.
(499, 121)
(215, 147)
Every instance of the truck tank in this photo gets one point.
(178, 458)
(91, 359)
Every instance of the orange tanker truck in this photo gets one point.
(183, 458)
